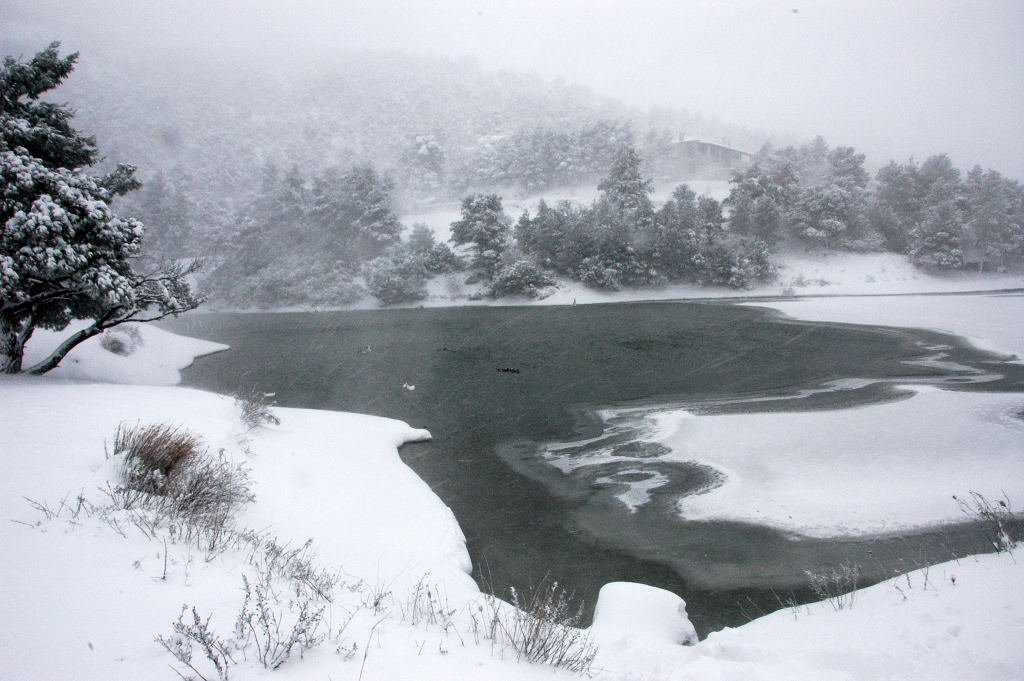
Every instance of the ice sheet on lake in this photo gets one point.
(879, 468)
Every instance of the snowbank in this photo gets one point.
(636, 614)
(152, 356)
(84, 599)
(954, 621)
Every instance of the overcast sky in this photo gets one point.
(893, 78)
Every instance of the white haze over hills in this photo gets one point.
(895, 80)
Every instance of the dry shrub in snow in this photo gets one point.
(275, 626)
(123, 340)
(152, 453)
(187, 635)
(428, 604)
(167, 472)
(543, 627)
(995, 518)
(285, 597)
(256, 407)
(838, 586)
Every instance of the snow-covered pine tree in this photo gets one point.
(626, 188)
(485, 228)
(995, 216)
(64, 254)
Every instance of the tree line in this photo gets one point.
(329, 237)
(940, 218)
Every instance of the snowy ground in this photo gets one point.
(85, 595)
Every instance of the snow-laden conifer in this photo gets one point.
(64, 254)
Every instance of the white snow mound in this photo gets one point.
(627, 611)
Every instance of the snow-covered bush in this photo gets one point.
(994, 517)
(165, 471)
(594, 272)
(121, 341)
(256, 408)
(436, 258)
(737, 265)
(520, 278)
(543, 627)
(396, 278)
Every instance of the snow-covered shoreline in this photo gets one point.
(800, 275)
(83, 601)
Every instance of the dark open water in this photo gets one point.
(525, 521)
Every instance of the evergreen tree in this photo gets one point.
(559, 237)
(934, 237)
(994, 216)
(935, 242)
(626, 189)
(485, 228)
(680, 227)
(162, 206)
(896, 206)
(64, 254)
(762, 196)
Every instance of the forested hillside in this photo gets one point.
(437, 126)
(289, 178)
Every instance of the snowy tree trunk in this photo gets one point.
(14, 334)
(54, 358)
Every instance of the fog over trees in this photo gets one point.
(290, 183)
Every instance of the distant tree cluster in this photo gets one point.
(331, 237)
(304, 240)
(825, 198)
(942, 219)
(622, 240)
(401, 275)
(543, 157)
(328, 234)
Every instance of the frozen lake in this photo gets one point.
(511, 394)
